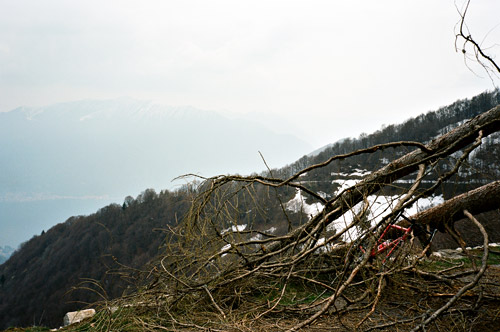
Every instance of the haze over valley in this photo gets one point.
(74, 158)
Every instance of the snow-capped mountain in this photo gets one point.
(127, 108)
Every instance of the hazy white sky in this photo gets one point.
(332, 68)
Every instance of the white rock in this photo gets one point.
(73, 317)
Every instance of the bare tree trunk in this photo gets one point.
(482, 199)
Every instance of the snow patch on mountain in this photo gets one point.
(235, 229)
(344, 184)
(357, 172)
(298, 204)
(378, 208)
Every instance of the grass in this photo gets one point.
(437, 264)
(28, 329)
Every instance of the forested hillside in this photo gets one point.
(37, 278)
(422, 128)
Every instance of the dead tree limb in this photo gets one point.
(482, 199)
(464, 35)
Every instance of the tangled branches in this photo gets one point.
(261, 252)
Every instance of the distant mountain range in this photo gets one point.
(72, 158)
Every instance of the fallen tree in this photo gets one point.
(225, 268)
(482, 199)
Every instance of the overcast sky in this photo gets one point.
(332, 68)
